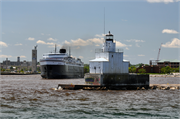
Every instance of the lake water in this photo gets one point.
(30, 96)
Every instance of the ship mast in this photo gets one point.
(55, 48)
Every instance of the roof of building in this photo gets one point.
(99, 60)
(125, 60)
(169, 60)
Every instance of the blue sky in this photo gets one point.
(139, 28)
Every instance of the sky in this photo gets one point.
(139, 28)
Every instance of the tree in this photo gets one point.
(142, 70)
(38, 69)
(11, 68)
(132, 69)
(166, 69)
(177, 69)
(22, 70)
(86, 68)
(30, 69)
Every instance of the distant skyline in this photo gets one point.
(139, 27)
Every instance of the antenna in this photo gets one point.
(55, 48)
(104, 24)
(69, 52)
(159, 52)
(104, 20)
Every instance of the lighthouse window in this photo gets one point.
(112, 55)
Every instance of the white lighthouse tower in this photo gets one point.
(109, 60)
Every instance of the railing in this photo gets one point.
(101, 50)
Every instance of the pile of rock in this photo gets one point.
(155, 87)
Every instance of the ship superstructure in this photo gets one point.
(61, 65)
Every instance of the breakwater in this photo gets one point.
(164, 75)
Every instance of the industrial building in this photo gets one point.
(23, 64)
(6, 64)
(173, 63)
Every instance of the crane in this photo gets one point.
(159, 52)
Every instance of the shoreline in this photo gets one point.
(2, 73)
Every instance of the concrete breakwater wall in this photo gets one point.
(164, 75)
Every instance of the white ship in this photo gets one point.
(61, 65)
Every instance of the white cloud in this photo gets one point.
(18, 44)
(161, 1)
(31, 38)
(40, 42)
(42, 34)
(78, 48)
(22, 56)
(81, 42)
(101, 36)
(125, 55)
(0, 50)
(5, 56)
(169, 31)
(137, 45)
(81, 57)
(50, 44)
(3, 44)
(127, 48)
(175, 43)
(51, 39)
(141, 55)
(119, 44)
(3, 33)
(134, 40)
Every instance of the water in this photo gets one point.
(30, 96)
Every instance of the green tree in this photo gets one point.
(177, 69)
(22, 71)
(142, 70)
(86, 68)
(163, 70)
(166, 69)
(38, 69)
(132, 69)
(30, 69)
(11, 68)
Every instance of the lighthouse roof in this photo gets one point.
(99, 60)
(109, 34)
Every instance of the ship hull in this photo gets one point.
(61, 71)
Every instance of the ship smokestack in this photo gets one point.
(62, 51)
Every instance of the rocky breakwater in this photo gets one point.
(164, 86)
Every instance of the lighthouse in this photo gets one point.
(108, 59)
(110, 70)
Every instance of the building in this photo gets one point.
(173, 63)
(150, 69)
(108, 59)
(6, 64)
(34, 59)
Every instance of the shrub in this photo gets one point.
(142, 70)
